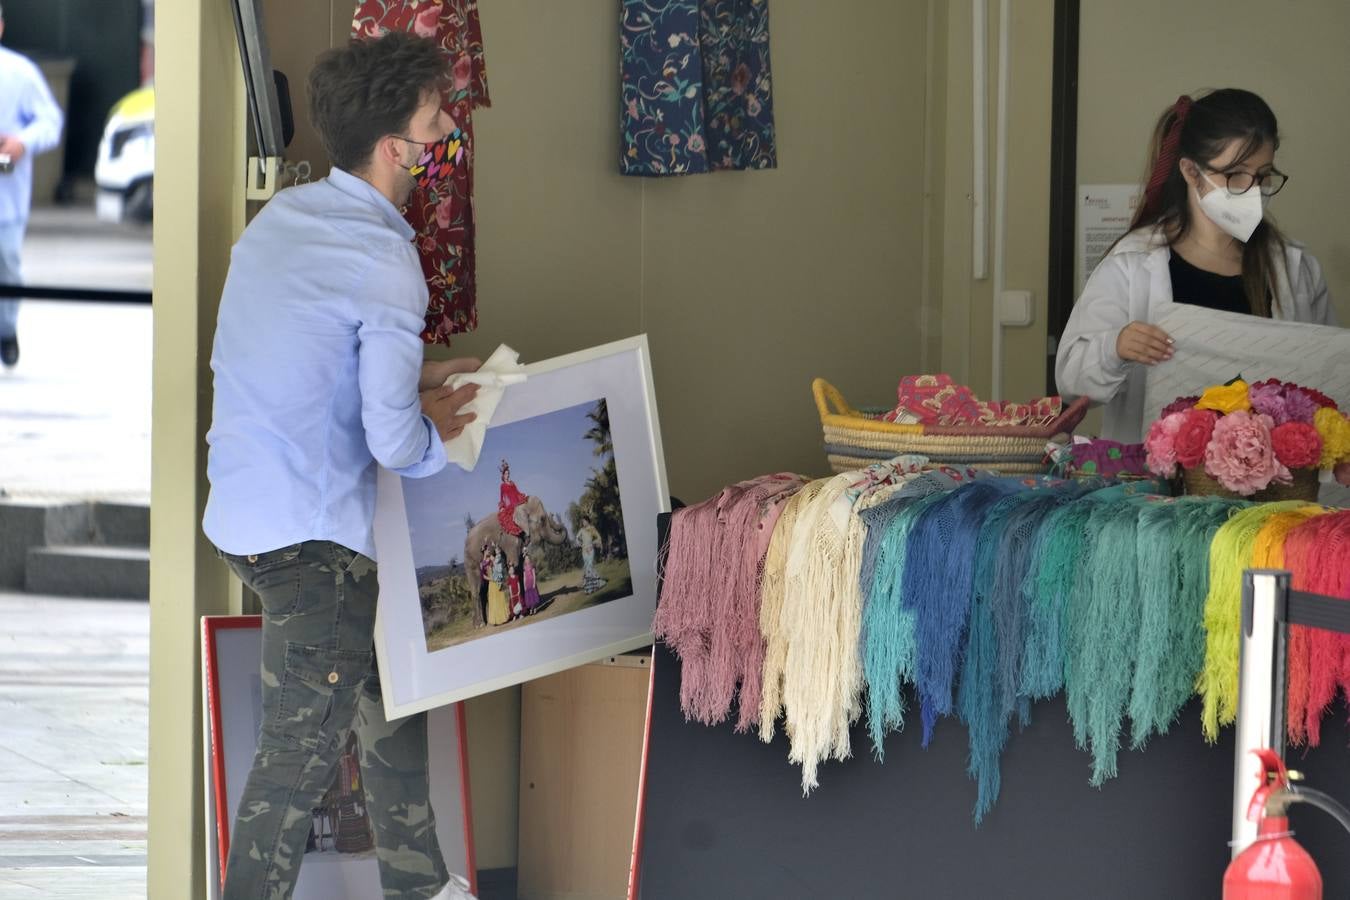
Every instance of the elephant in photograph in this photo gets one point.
(538, 524)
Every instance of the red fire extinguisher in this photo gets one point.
(1275, 866)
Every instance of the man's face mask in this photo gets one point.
(437, 159)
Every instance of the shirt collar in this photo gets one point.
(360, 189)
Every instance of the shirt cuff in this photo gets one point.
(1112, 364)
(432, 461)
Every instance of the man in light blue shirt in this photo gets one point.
(319, 377)
(30, 123)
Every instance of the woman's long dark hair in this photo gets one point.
(1206, 126)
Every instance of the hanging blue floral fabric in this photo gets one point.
(696, 91)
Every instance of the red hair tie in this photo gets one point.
(1167, 158)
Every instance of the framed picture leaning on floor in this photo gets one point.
(339, 862)
(541, 558)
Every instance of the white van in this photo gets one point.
(125, 171)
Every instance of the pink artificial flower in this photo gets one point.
(1197, 427)
(1283, 402)
(1160, 445)
(1240, 455)
(1296, 444)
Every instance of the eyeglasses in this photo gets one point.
(1271, 182)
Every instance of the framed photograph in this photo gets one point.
(340, 854)
(540, 559)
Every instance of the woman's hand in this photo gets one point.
(1143, 343)
(1342, 472)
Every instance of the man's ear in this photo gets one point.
(389, 149)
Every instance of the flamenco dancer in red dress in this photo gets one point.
(509, 499)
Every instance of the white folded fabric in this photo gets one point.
(501, 370)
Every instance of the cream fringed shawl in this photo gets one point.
(820, 619)
(771, 605)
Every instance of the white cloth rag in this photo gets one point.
(501, 370)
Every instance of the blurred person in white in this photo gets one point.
(30, 123)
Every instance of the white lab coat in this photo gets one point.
(1132, 283)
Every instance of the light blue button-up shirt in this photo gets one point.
(29, 112)
(317, 358)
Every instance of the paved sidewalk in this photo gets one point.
(74, 703)
(75, 412)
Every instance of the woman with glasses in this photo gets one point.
(1199, 236)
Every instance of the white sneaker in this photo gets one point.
(457, 888)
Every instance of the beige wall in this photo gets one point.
(965, 303)
(1137, 57)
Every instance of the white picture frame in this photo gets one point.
(416, 677)
(231, 661)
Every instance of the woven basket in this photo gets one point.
(854, 439)
(1304, 487)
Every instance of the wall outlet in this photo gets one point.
(1014, 308)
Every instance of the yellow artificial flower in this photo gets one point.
(1226, 398)
(1335, 431)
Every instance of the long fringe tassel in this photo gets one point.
(988, 678)
(772, 591)
(1317, 553)
(889, 647)
(937, 586)
(1229, 555)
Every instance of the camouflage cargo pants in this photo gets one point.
(318, 683)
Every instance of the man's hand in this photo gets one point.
(13, 147)
(435, 372)
(442, 405)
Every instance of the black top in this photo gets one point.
(1200, 288)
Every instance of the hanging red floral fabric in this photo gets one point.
(442, 215)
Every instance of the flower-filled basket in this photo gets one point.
(1265, 441)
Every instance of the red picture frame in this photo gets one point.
(211, 627)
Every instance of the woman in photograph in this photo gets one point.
(1200, 236)
(588, 539)
(510, 498)
(531, 599)
(513, 592)
(499, 613)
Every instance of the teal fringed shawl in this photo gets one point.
(1102, 623)
(988, 699)
(888, 628)
(989, 655)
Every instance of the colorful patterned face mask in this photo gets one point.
(438, 159)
